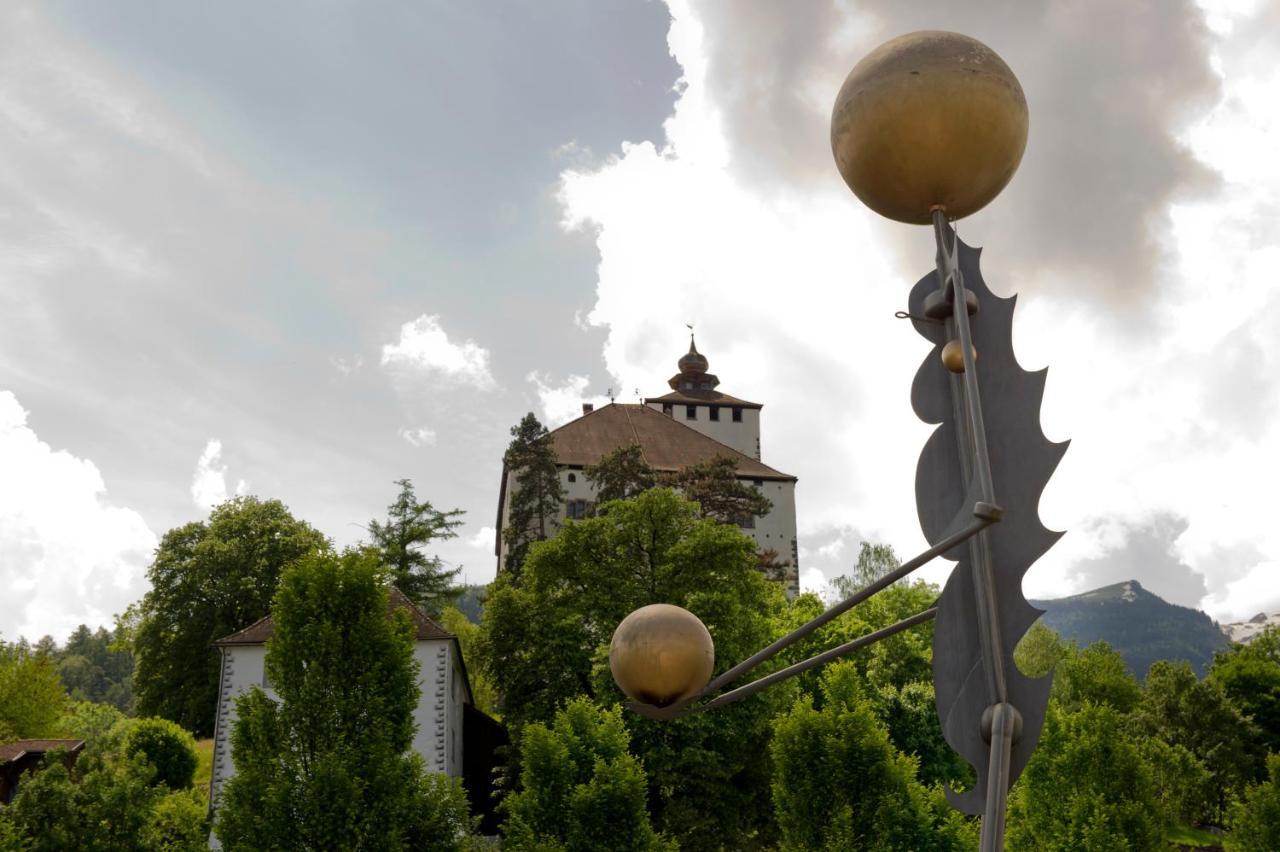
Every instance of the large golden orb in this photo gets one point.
(929, 119)
(660, 654)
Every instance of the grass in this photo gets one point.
(204, 766)
(1197, 838)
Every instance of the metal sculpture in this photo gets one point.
(927, 128)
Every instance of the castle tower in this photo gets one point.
(695, 402)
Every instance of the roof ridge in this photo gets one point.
(414, 606)
(636, 435)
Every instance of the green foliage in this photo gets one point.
(328, 766)
(1197, 715)
(581, 790)
(1182, 785)
(621, 474)
(1086, 787)
(1255, 821)
(1039, 651)
(1096, 675)
(90, 722)
(484, 693)
(874, 561)
(1250, 676)
(410, 527)
(95, 668)
(546, 641)
(32, 699)
(107, 802)
(911, 717)
(536, 495)
(208, 579)
(839, 783)
(714, 486)
(167, 747)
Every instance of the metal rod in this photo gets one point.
(755, 686)
(993, 817)
(845, 605)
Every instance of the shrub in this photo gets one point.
(167, 747)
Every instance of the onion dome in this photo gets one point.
(693, 373)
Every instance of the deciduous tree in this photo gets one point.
(208, 579)
(328, 765)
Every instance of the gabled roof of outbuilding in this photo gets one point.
(667, 444)
(16, 749)
(262, 629)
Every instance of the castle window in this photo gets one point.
(576, 509)
(737, 415)
(758, 483)
(666, 408)
(747, 522)
(715, 412)
(691, 412)
(573, 477)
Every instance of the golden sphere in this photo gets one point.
(660, 654)
(953, 356)
(929, 119)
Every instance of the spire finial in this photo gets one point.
(693, 350)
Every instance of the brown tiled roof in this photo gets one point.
(703, 397)
(666, 443)
(260, 631)
(15, 750)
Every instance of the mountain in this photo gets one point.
(1244, 631)
(1140, 626)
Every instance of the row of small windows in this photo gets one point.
(691, 412)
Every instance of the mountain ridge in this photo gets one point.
(1141, 626)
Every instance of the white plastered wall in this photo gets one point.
(743, 437)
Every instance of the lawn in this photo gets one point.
(204, 766)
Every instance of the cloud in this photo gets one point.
(483, 539)
(424, 346)
(67, 554)
(419, 437)
(1147, 551)
(812, 580)
(209, 482)
(563, 402)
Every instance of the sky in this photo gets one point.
(301, 252)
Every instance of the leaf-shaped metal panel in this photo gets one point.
(1022, 460)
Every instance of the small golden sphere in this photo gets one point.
(929, 119)
(660, 654)
(953, 356)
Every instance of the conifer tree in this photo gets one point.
(714, 486)
(621, 474)
(537, 493)
(400, 543)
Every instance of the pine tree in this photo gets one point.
(621, 474)
(714, 486)
(537, 493)
(400, 543)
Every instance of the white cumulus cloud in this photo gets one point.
(562, 402)
(483, 539)
(209, 482)
(67, 555)
(424, 345)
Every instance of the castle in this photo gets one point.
(692, 424)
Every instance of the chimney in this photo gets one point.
(587, 408)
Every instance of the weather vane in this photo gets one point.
(927, 128)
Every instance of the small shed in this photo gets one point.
(22, 756)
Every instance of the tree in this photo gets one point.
(1086, 787)
(839, 783)
(32, 699)
(621, 474)
(329, 765)
(874, 561)
(714, 486)
(167, 747)
(1039, 651)
(107, 802)
(1250, 676)
(208, 580)
(1096, 675)
(546, 640)
(409, 528)
(536, 494)
(1255, 820)
(581, 790)
(1197, 715)
(484, 693)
